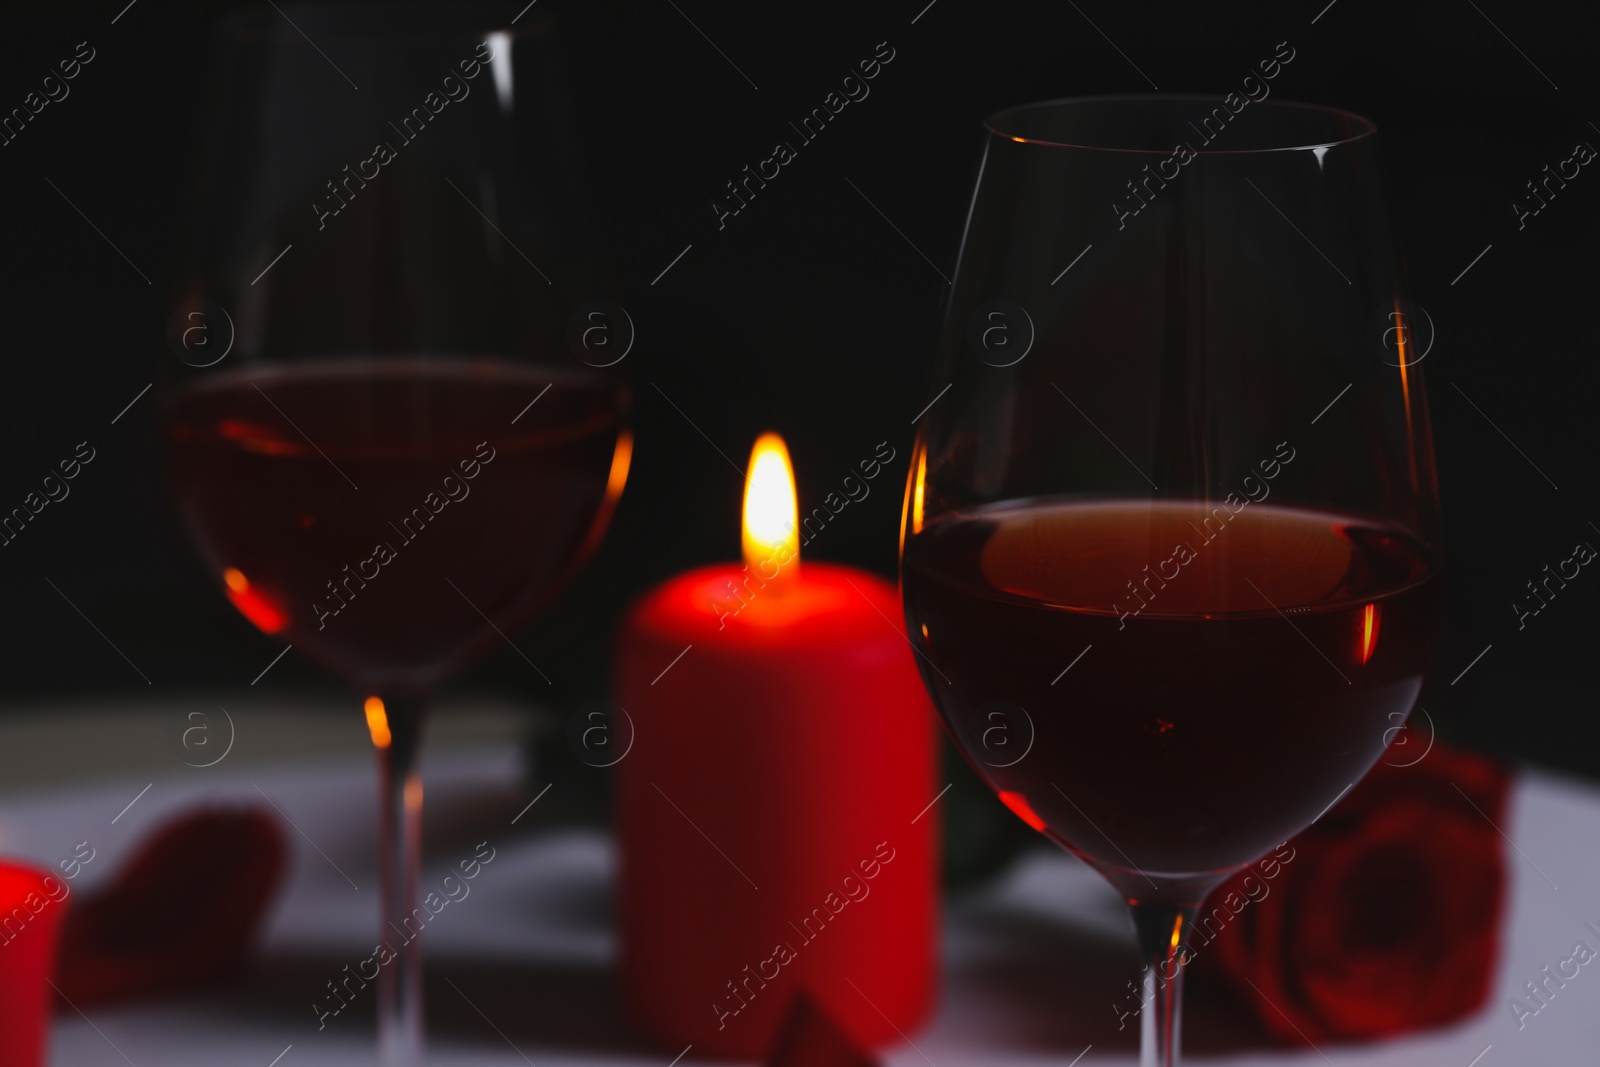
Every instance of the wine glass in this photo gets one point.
(1169, 552)
(395, 425)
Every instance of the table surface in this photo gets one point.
(521, 971)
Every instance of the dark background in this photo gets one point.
(809, 314)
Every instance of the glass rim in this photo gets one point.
(355, 23)
(997, 122)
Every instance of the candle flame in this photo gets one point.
(771, 516)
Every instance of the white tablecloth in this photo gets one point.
(520, 970)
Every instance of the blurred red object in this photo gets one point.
(810, 1037)
(33, 904)
(183, 910)
(793, 751)
(1386, 916)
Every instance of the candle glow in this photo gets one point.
(253, 602)
(1369, 630)
(377, 722)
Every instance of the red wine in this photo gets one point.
(1245, 667)
(379, 513)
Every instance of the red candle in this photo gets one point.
(774, 816)
(32, 906)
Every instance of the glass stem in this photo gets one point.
(1162, 930)
(397, 738)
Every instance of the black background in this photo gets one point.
(809, 313)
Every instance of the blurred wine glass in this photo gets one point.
(397, 423)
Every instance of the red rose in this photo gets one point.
(183, 911)
(1386, 915)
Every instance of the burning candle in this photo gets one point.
(32, 906)
(774, 819)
